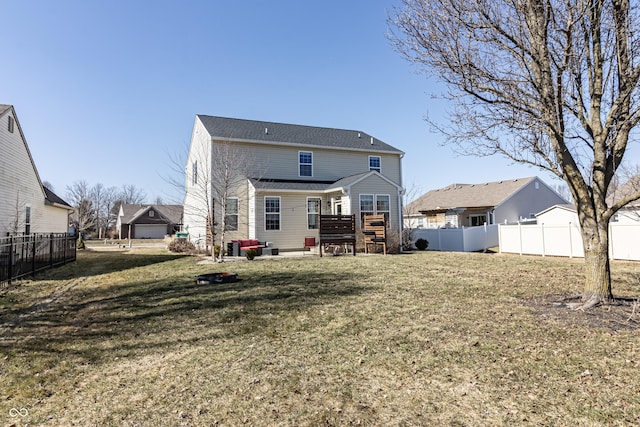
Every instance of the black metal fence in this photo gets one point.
(22, 256)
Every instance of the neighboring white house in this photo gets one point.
(470, 205)
(26, 206)
(292, 173)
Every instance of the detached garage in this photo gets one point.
(148, 221)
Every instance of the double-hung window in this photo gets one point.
(272, 213)
(374, 163)
(231, 214)
(305, 163)
(367, 206)
(383, 205)
(372, 204)
(313, 213)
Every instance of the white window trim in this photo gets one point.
(380, 161)
(300, 164)
(319, 199)
(237, 214)
(272, 213)
(375, 203)
(375, 206)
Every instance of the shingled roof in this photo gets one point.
(172, 213)
(282, 133)
(454, 196)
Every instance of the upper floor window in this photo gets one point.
(374, 163)
(11, 124)
(152, 214)
(194, 173)
(305, 162)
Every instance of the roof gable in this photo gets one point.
(8, 109)
(489, 194)
(131, 212)
(290, 134)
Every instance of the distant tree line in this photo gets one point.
(96, 206)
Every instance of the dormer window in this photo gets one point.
(374, 163)
(305, 162)
(10, 124)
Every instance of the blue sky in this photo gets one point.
(105, 90)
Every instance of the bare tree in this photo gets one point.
(216, 174)
(551, 83)
(17, 220)
(410, 215)
(79, 194)
(132, 195)
(231, 165)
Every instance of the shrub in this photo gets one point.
(180, 246)
(80, 243)
(422, 244)
(250, 254)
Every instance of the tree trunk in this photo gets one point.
(597, 288)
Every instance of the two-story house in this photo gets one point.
(276, 179)
(26, 206)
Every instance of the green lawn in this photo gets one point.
(128, 338)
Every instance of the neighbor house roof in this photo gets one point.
(172, 213)
(488, 194)
(290, 134)
(55, 200)
(630, 187)
(565, 206)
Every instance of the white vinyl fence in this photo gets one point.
(469, 239)
(565, 240)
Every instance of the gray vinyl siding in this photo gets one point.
(526, 201)
(281, 162)
(376, 185)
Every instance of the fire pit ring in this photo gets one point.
(215, 278)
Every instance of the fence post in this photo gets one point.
(51, 250)
(520, 234)
(33, 254)
(11, 251)
(543, 247)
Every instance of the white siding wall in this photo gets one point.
(195, 199)
(20, 186)
(54, 220)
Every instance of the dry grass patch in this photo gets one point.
(420, 339)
